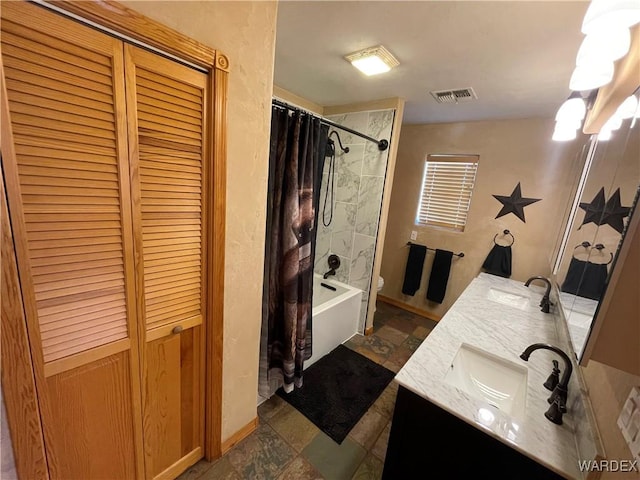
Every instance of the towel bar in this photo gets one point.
(461, 254)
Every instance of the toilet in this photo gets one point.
(380, 285)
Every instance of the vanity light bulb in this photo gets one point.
(572, 109)
(569, 124)
(628, 108)
(608, 14)
(604, 45)
(614, 123)
(564, 133)
(604, 135)
(589, 77)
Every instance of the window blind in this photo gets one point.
(447, 186)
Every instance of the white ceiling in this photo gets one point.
(517, 55)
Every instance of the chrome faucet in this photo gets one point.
(558, 398)
(545, 303)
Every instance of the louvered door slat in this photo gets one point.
(61, 99)
(170, 185)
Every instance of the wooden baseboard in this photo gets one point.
(368, 330)
(240, 435)
(409, 308)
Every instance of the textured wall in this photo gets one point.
(359, 182)
(245, 31)
(510, 151)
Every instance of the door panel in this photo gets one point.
(174, 408)
(163, 407)
(70, 206)
(166, 117)
(88, 400)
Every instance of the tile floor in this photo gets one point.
(287, 446)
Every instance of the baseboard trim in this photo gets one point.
(240, 435)
(409, 308)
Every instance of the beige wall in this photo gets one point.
(608, 390)
(510, 151)
(296, 100)
(245, 32)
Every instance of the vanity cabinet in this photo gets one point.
(425, 438)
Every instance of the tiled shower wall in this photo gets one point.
(359, 183)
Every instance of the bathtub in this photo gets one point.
(335, 316)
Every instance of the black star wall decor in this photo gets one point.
(514, 203)
(610, 213)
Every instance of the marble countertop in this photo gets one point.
(504, 331)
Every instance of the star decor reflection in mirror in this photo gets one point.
(609, 213)
(606, 202)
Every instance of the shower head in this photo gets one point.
(331, 148)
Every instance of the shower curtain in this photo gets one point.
(296, 157)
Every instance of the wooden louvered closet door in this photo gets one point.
(165, 102)
(69, 199)
(106, 193)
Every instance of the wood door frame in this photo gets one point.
(129, 23)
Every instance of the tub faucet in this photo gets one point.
(330, 272)
(334, 264)
(545, 303)
(558, 398)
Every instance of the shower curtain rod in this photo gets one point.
(382, 144)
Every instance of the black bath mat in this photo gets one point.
(338, 390)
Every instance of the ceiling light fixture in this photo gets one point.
(373, 60)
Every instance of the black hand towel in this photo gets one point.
(585, 279)
(439, 275)
(413, 271)
(498, 262)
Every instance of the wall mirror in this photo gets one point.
(605, 201)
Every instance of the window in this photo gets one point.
(446, 191)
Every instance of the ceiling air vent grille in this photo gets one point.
(454, 96)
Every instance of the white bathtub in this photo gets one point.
(335, 316)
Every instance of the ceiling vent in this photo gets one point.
(454, 96)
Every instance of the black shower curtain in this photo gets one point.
(296, 156)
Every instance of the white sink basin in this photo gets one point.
(508, 298)
(499, 382)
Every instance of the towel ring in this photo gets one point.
(505, 232)
(597, 246)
